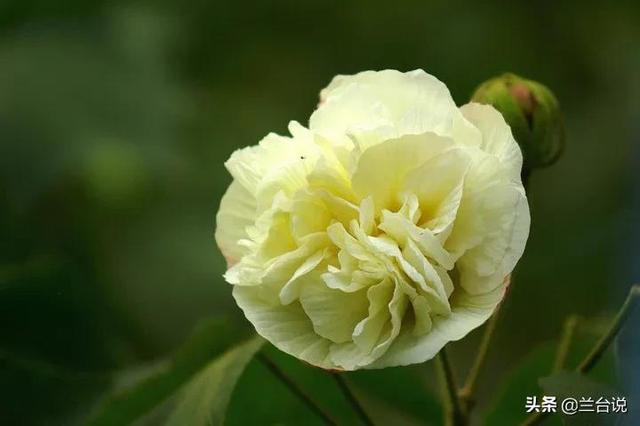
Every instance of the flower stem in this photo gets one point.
(351, 398)
(598, 350)
(600, 347)
(295, 389)
(568, 331)
(466, 393)
(456, 416)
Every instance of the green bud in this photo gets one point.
(532, 112)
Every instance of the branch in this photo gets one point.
(602, 345)
(295, 389)
(351, 398)
(466, 393)
(456, 414)
(568, 331)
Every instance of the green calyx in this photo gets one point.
(532, 112)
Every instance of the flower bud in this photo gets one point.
(532, 112)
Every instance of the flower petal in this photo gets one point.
(483, 267)
(291, 290)
(411, 103)
(287, 327)
(497, 138)
(376, 333)
(381, 171)
(251, 165)
(324, 306)
(438, 185)
(469, 312)
(309, 214)
(237, 212)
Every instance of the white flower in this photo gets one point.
(380, 233)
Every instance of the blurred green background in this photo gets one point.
(116, 118)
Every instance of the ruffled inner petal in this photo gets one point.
(438, 185)
(333, 313)
(381, 171)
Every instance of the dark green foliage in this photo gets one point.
(142, 394)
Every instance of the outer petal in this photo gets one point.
(411, 103)
(483, 267)
(491, 227)
(496, 136)
(251, 166)
(287, 327)
(237, 212)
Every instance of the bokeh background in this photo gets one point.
(116, 118)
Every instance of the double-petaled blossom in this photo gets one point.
(380, 232)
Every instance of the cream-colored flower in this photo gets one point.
(381, 232)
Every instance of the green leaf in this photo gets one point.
(138, 391)
(205, 398)
(575, 385)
